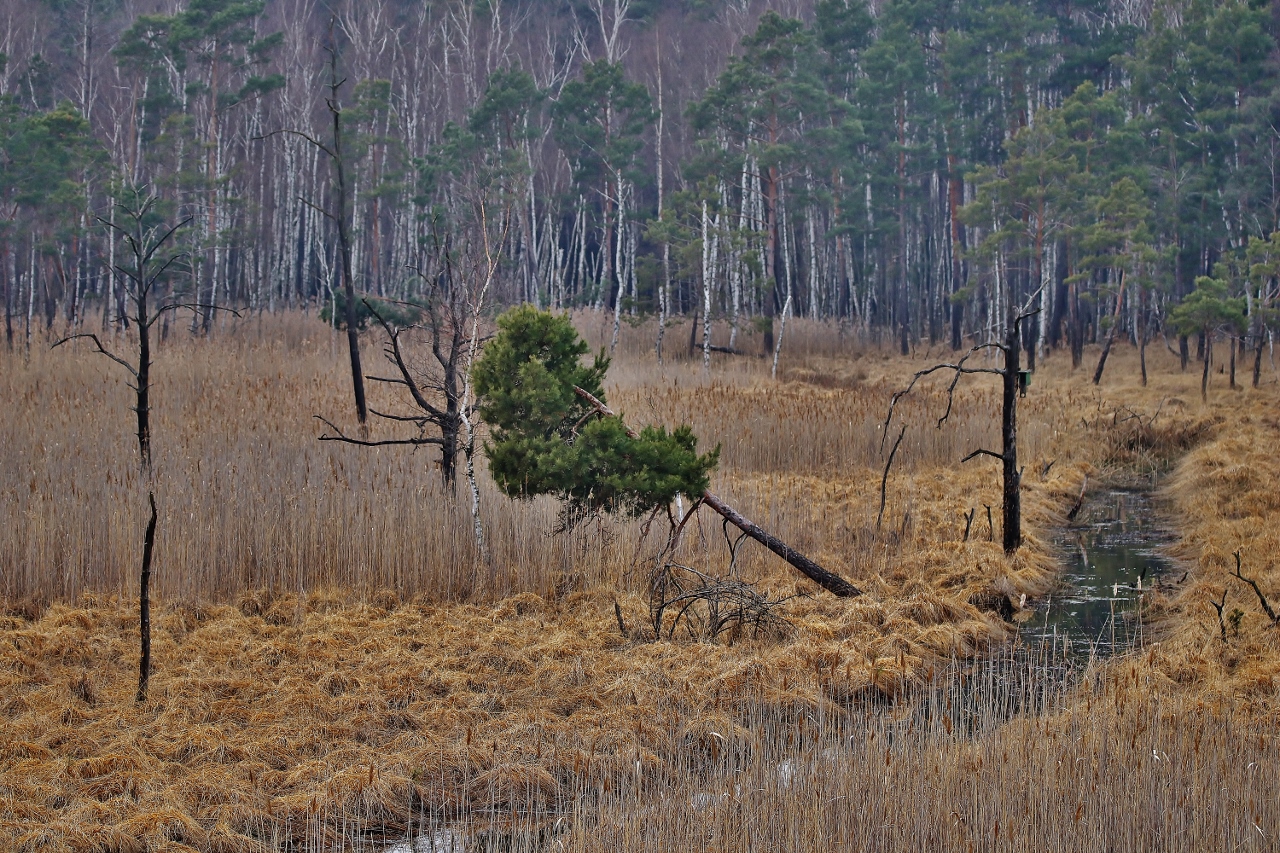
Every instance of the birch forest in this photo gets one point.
(907, 168)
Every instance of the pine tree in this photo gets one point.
(1206, 310)
(546, 441)
(553, 434)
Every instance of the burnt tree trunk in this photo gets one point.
(143, 384)
(827, 580)
(344, 237)
(955, 192)
(1207, 352)
(1142, 334)
(1111, 333)
(1257, 357)
(144, 602)
(1231, 382)
(1012, 533)
(1061, 295)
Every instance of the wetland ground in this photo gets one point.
(337, 668)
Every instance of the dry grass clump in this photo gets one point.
(1226, 501)
(337, 727)
(264, 728)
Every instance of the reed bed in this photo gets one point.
(338, 669)
(248, 498)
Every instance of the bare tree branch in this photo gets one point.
(1262, 599)
(394, 334)
(420, 420)
(959, 368)
(317, 208)
(982, 452)
(117, 359)
(339, 435)
(317, 143)
(1218, 605)
(884, 478)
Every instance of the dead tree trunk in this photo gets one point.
(1111, 333)
(1009, 441)
(140, 281)
(343, 222)
(829, 581)
(1011, 379)
(144, 602)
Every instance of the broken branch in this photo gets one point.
(1262, 599)
(884, 478)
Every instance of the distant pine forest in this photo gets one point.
(909, 169)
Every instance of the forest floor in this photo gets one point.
(335, 663)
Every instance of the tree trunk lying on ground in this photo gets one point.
(829, 581)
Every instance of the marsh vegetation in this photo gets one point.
(337, 667)
(429, 620)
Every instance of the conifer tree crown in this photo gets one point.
(546, 439)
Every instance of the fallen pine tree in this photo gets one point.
(553, 433)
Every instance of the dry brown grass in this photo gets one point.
(249, 499)
(333, 660)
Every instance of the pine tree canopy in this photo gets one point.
(547, 440)
(1209, 307)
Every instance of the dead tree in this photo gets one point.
(709, 606)
(463, 271)
(341, 217)
(143, 280)
(1012, 379)
(1262, 599)
(434, 390)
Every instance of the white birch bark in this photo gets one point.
(706, 292)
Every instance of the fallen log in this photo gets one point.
(829, 581)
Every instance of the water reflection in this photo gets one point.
(1112, 557)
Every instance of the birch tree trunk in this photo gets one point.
(706, 291)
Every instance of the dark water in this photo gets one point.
(1111, 555)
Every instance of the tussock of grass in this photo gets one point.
(1225, 496)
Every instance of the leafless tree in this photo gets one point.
(341, 217)
(143, 281)
(1012, 379)
(461, 275)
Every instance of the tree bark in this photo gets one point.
(955, 188)
(1111, 333)
(1012, 533)
(143, 386)
(1257, 357)
(1208, 360)
(344, 240)
(1142, 333)
(144, 602)
(1232, 370)
(827, 580)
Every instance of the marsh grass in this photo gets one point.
(250, 499)
(336, 668)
